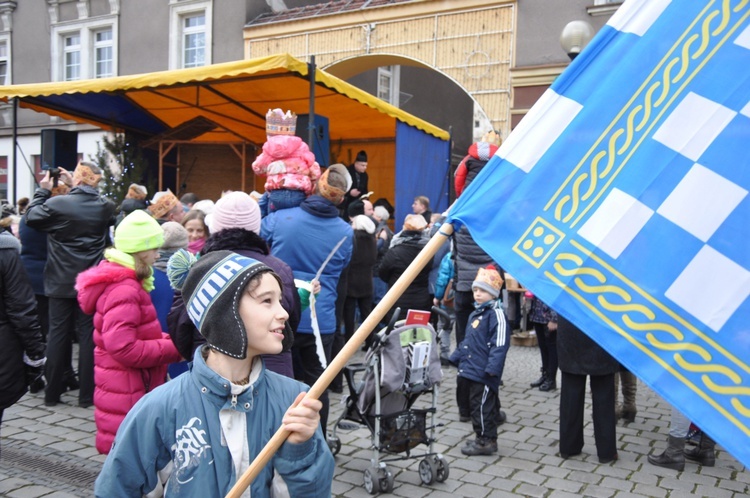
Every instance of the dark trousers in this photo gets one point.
(547, 348)
(42, 307)
(66, 319)
(307, 367)
(350, 310)
(572, 398)
(464, 305)
(485, 410)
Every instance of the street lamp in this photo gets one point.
(576, 35)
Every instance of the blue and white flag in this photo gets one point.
(621, 200)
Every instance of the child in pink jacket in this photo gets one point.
(131, 353)
(287, 161)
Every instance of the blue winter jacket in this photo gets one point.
(481, 355)
(178, 423)
(302, 237)
(446, 272)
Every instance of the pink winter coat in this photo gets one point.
(289, 164)
(131, 352)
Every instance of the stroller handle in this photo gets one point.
(394, 319)
(442, 312)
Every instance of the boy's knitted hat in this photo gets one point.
(361, 157)
(138, 232)
(212, 291)
(235, 210)
(489, 280)
(175, 236)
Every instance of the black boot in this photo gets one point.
(629, 389)
(673, 457)
(548, 385)
(538, 382)
(704, 453)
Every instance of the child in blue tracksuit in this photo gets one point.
(481, 357)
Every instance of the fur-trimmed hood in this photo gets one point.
(234, 239)
(91, 283)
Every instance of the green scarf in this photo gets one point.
(128, 261)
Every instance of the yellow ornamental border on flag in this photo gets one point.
(640, 314)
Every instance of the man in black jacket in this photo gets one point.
(78, 227)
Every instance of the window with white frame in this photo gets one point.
(388, 84)
(84, 49)
(72, 56)
(103, 53)
(4, 62)
(190, 33)
(194, 40)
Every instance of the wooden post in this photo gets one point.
(350, 348)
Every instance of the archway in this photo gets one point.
(469, 42)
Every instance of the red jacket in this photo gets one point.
(469, 167)
(131, 352)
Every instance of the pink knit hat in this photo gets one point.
(235, 210)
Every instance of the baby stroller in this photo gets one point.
(402, 364)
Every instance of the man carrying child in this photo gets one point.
(481, 357)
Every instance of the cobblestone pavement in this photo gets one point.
(49, 452)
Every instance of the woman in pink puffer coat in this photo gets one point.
(131, 352)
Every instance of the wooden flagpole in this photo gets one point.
(349, 349)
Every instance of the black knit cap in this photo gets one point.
(212, 293)
(356, 208)
(361, 156)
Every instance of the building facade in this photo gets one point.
(445, 61)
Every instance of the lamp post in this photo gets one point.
(575, 36)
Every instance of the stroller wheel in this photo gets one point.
(427, 471)
(442, 468)
(370, 478)
(334, 444)
(386, 480)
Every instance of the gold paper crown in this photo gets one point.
(280, 123)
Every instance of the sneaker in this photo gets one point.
(480, 447)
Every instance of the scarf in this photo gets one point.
(128, 261)
(195, 246)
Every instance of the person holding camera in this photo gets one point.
(22, 354)
(77, 225)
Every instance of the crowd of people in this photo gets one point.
(196, 320)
